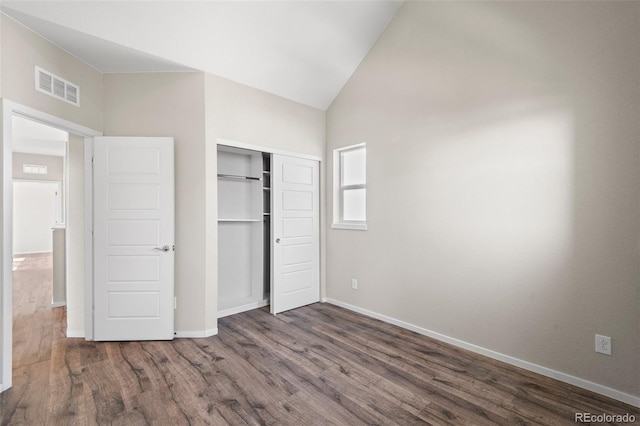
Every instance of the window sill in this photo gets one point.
(351, 226)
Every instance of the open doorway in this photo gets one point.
(78, 265)
(39, 159)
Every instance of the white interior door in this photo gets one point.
(133, 238)
(296, 233)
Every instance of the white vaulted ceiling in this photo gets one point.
(300, 50)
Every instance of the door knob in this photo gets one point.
(163, 248)
(278, 240)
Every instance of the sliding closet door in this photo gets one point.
(296, 233)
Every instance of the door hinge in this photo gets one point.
(175, 303)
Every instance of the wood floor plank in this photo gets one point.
(306, 374)
(457, 386)
(340, 361)
(316, 365)
(25, 407)
(490, 417)
(175, 392)
(418, 382)
(66, 396)
(497, 380)
(450, 405)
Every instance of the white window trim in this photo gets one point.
(338, 222)
(352, 226)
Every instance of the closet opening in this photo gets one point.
(268, 230)
(244, 229)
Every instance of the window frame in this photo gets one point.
(339, 189)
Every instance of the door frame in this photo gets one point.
(242, 145)
(9, 109)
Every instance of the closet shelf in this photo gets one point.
(238, 177)
(239, 220)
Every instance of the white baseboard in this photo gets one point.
(31, 252)
(236, 310)
(178, 334)
(196, 334)
(221, 314)
(563, 377)
(58, 304)
(75, 333)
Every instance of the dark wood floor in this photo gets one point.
(317, 365)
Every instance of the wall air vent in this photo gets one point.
(57, 87)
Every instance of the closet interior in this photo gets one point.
(244, 227)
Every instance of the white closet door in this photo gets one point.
(133, 238)
(296, 233)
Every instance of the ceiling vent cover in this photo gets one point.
(57, 87)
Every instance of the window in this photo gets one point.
(350, 187)
(35, 169)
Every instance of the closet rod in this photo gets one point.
(238, 177)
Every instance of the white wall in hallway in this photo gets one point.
(33, 216)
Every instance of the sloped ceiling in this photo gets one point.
(301, 50)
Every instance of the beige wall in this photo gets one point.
(503, 169)
(22, 50)
(55, 166)
(171, 104)
(243, 114)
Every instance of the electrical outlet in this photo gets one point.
(354, 284)
(603, 344)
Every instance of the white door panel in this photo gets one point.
(297, 281)
(134, 304)
(134, 232)
(130, 196)
(133, 221)
(132, 160)
(133, 268)
(298, 174)
(295, 227)
(297, 200)
(297, 253)
(296, 239)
